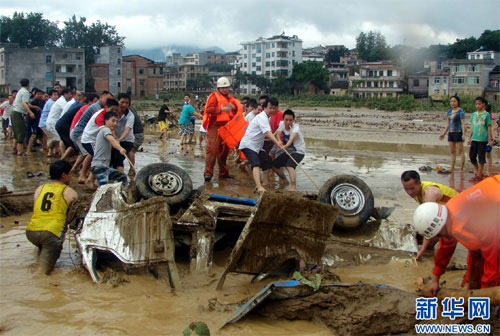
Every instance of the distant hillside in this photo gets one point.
(159, 54)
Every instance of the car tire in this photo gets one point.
(351, 196)
(164, 179)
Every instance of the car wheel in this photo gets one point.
(164, 179)
(351, 196)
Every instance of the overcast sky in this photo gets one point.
(149, 24)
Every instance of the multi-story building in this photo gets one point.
(42, 66)
(175, 79)
(201, 58)
(439, 75)
(492, 91)
(270, 57)
(418, 84)
(377, 80)
(106, 72)
(142, 76)
(481, 54)
(469, 77)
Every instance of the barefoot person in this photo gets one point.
(479, 137)
(424, 191)
(186, 127)
(293, 141)
(471, 218)
(252, 143)
(455, 126)
(47, 226)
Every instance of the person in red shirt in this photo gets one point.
(471, 218)
(219, 109)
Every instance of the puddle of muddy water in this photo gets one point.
(68, 301)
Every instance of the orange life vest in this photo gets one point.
(222, 101)
(234, 130)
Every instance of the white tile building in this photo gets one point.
(270, 57)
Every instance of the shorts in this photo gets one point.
(186, 128)
(268, 145)
(455, 137)
(192, 120)
(49, 247)
(89, 148)
(5, 123)
(116, 157)
(477, 152)
(103, 175)
(163, 125)
(18, 126)
(261, 160)
(78, 145)
(284, 160)
(51, 132)
(32, 127)
(139, 139)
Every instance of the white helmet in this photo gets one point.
(429, 219)
(223, 82)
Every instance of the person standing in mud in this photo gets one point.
(162, 119)
(456, 129)
(20, 111)
(252, 144)
(7, 107)
(472, 219)
(51, 213)
(219, 110)
(479, 137)
(424, 191)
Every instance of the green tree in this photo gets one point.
(77, 34)
(310, 72)
(29, 30)
(280, 86)
(260, 81)
(371, 46)
(220, 67)
(490, 40)
(460, 48)
(333, 55)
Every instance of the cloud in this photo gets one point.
(149, 24)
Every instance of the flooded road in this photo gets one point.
(69, 302)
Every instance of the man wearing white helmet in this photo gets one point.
(471, 218)
(220, 108)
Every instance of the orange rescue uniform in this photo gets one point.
(213, 118)
(474, 216)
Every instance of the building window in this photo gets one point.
(244, 65)
(65, 56)
(1, 58)
(272, 63)
(391, 84)
(458, 80)
(458, 68)
(58, 68)
(274, 44)
(268, 64)
(473, 68)
(118, 61)
(268, 45)
(244, 48)
(258, 68)
(253, 65)
(272, 54)
(445, 80)
(253, 46)
(268, 55)
(437, 80)
(141, 71)
(389, 73)
(119, 84)
(293, 52)
(268, 73)
(245, 56)
(259, 59)
(254, 55)
(416, 82)
(78, 56)
(118, 50)
(119, 72)
(141, 82)
(259, 48)
(79, 81)
(79, 67)
(70, 68)
(2, 74)
(154, 71)
(473, 80)
(48, 59)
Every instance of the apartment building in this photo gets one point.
(42, 66)
(141, 76)
(106, 73)
(377, 80)
(175, 78)
(469, 77)
(270, 57)
(439, 75)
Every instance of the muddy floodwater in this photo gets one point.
(69, 302)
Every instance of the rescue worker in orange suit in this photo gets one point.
(471, 218)
(219, 109)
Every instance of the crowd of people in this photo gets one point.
(99, 130)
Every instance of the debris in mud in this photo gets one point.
(196, 329)
(113, 278)
(350, 310)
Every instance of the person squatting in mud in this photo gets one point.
(293, 142)
(51, 213)
(425, 191)
(471, 218)
(252, 144)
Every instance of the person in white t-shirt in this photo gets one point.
(294, 144)
(53, 117)
(252, 142)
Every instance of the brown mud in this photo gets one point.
(68, 301)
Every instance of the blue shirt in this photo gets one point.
(187, 110)
(455, 119)
(45, 112)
